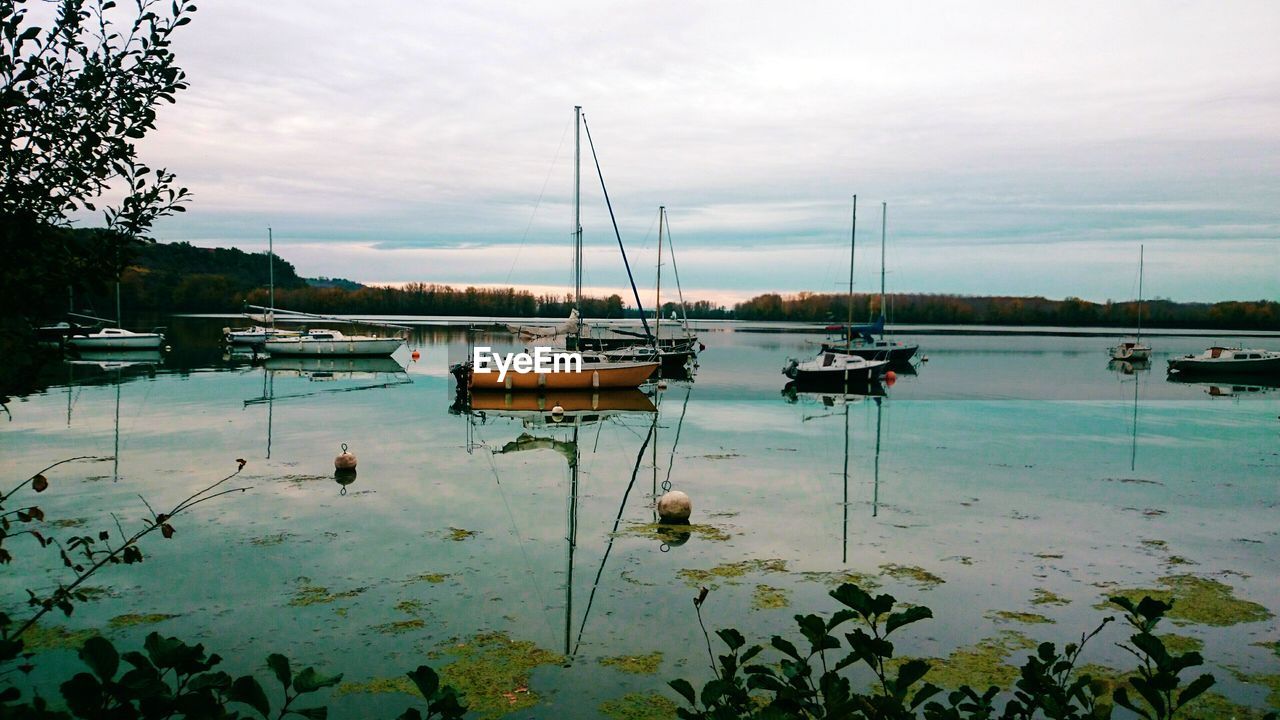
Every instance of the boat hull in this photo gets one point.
(892, 353)
(616, 375)
(345, 346)
(139, 341)
(1234, 367)
(836, 379)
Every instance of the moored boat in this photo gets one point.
(116, 339)
(332, 342)
(594, 372)
(1134, 350)
(1228, 361)
(834, 370)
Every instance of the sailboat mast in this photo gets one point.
(884, 212)
(657, 295)
(271, 276)
(577, 214)
(1140, 253)
(853, 243)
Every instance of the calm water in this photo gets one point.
(1006, 465)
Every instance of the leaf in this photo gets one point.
(1195, 688)
(732, 638)
(785, 646)
(39, 483)
(686, 690)
(83, 694)
(906, 617)
(247, 690)
(166, 530)
(101, 657)
(426, 680)
(910, 672)
(279, 665)
(309, 681)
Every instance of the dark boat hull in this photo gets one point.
(892, 353)
(1234, 368)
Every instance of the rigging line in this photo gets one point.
(623, 250)
(613, 534)
(536, 205)
(684, 309)
(528, 565)
(671, 463)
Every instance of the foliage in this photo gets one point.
(174, 679)
(813, 680)
(980, 310)
(76, 96)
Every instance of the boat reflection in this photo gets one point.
(795, 393)
(1227, 384)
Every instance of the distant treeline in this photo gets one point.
(918, 308)
(179, 277)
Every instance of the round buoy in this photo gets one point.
(168, 348)
(345, 461)
(701, 347)
(924, 358)
(662, 384)
(675, 507)
(557, 412)
(415, 355)
(891, 376)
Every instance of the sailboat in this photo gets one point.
(258, 334)
(832, 369)
(596, 370)
(115, 338)
(859, 339)
(1134, 351)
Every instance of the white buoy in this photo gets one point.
(675, 507)
(662, 384)
(557, 413)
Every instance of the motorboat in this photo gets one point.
(596, 371)
(1219, 360)
(834, 370)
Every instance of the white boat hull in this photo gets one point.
(344, 346)
(137, 341)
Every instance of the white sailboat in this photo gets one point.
(116, 338)
(1134, 350)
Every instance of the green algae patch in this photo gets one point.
(39, 638)
(133, 619)
(730, 572)
(1040, 596)
(980, 665)
(62, 523)
(635, 664)
(378, 686)
(400, 627)
(269, 540)
(703, 532)
(411, 607)
(1211, 706)
(492, 671)
(1197, 600)
(639, 706)
(1181, 644)
(834, 579)
(1269, 681)
(309, 594)
(767, 597)
(1275, 646)
(454, 534)
(1027, 618)
(918, 575)
(433, 578)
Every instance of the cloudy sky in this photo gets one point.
(1021, 148)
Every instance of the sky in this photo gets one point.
(1020, 148)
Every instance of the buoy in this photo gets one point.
(345, 461)
(891, 376)
(924, 358)
(168, 348)
(675, 507)
(662, 384)
(701, 347)
(344, 478)
(415, 355)
(557, 413)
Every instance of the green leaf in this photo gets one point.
(101, 657)
(732, 638)
(910, 672)
(426, 680)
(906, 617)
(247, 690)
(686, 690)
(309, 681)
(1195, 689)
(279, 665)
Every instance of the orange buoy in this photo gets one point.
(345, 461)
(890, 378)
(415, 355)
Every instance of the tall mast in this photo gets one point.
(1139, 337)
(853, 243)
(577, 214)
(657, 299)
(884, 212)
(271, 276)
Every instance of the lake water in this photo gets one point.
(1006, 469)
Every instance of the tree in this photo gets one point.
(75, 97)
